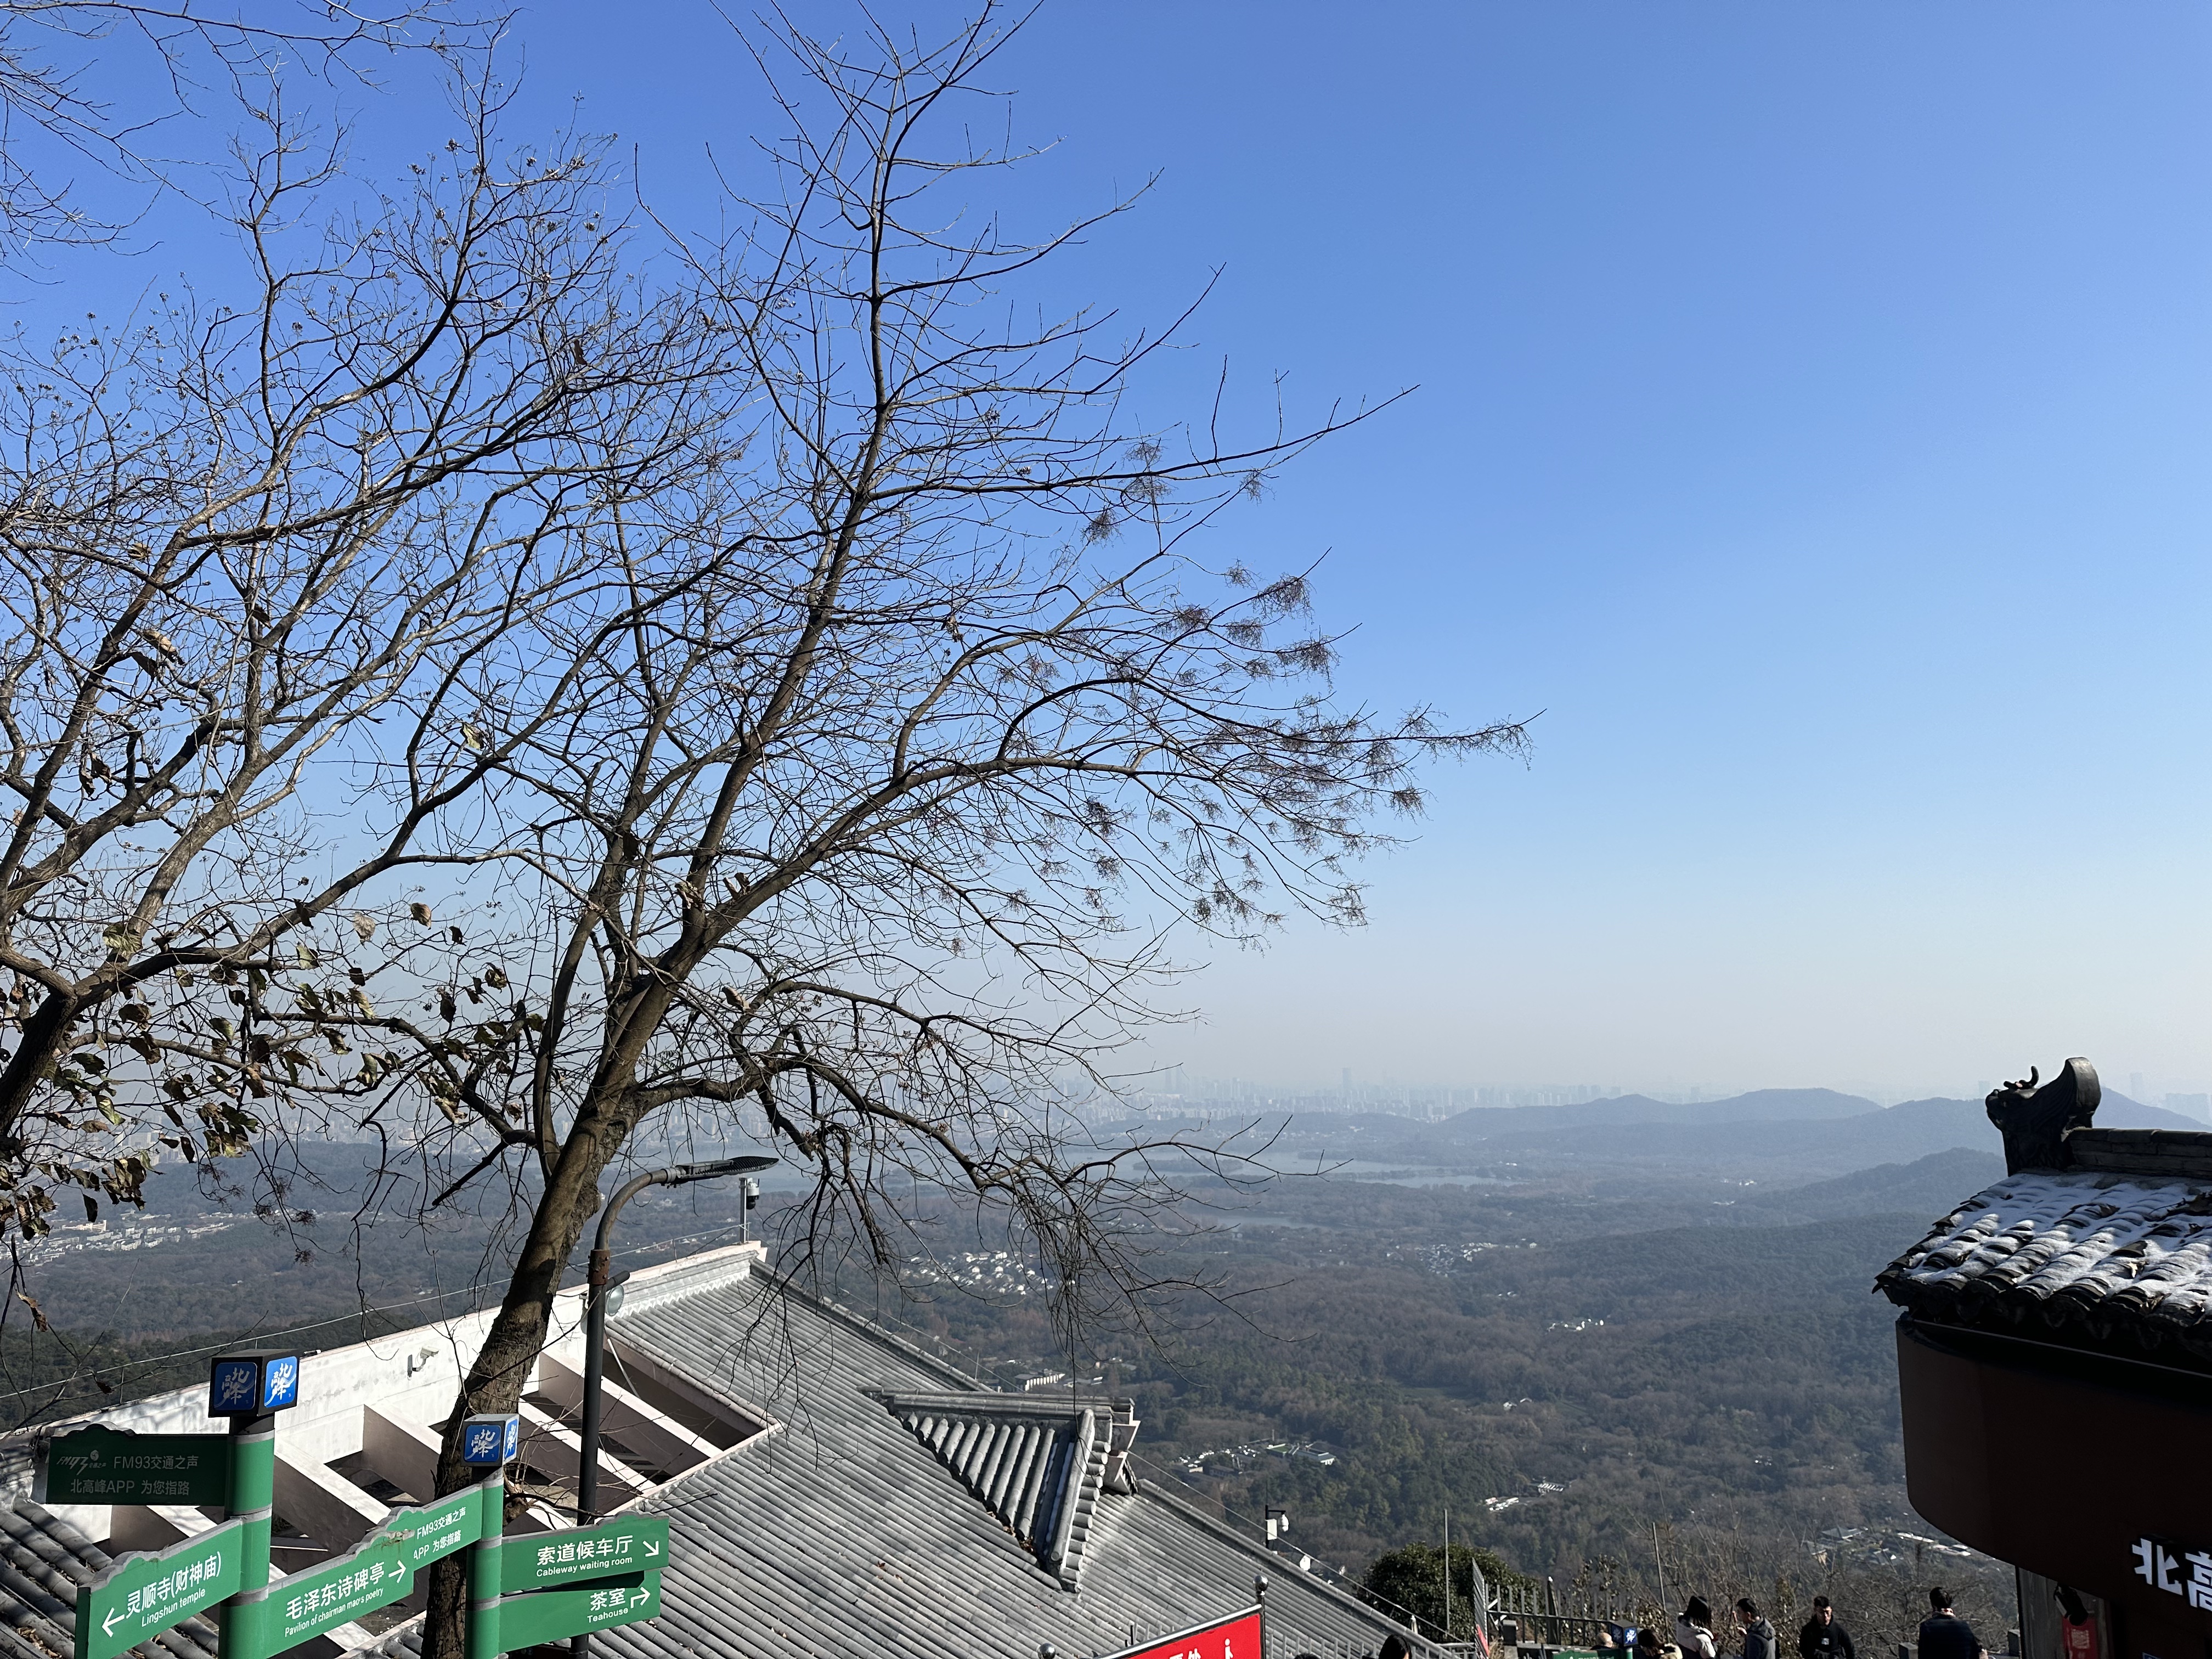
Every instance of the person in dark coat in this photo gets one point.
(1758, 1637)
(1943, 1634)
(1822, 1637)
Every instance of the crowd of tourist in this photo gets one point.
(1943, 1634)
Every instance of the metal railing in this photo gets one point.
(1554, 1630)
(1534, 1611)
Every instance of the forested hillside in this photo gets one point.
(1607, 1356)
(1610, 1358)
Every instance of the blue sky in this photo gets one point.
(1812, 421)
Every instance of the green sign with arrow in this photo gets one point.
(305, 1604)
(623, 1545)
(570, 1583)
(554, 1615)
(114, 1466)
(376, 1572)
(143, 1595)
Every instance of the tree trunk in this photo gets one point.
(511, 1346)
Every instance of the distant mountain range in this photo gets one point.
(1771, 1106)
(1760, 1106)
(1793, 1134)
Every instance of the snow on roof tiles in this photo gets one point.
(2099, 1250)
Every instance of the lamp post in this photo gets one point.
(595, 1327)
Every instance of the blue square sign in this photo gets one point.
(248, 1384)
(235, 1388)
(488, 1442)
(280, 1383)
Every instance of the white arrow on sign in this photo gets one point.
(107, 1625)
(639, 1597)
(652, 1546)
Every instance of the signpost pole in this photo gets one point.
(484, 1570)
(487, 1442)
(252, 1501)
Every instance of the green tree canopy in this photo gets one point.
(1409, 1582)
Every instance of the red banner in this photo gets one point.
(1237, 1636)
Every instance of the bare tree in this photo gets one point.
(49, 91)
(920, 728)
(250, 555)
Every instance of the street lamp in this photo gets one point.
(595, 1327)
(748, 1200)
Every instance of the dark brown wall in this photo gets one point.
(2059, 1462)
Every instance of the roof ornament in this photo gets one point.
(2036, 1120)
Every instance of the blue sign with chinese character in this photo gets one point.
(234, 1388)
(487, 1441)
(280, 1383)
(248, 1384)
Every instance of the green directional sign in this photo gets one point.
(436, 1530)
(114, 1466)
(622, 1544)
(303, 1605)
(572, 1583)
(143, 1595)
(554, 1615)
(378, 1571)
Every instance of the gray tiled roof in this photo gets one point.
(43, 1563)
(2082, 1253)
(839, 1532)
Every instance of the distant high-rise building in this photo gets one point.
(2190, 1105)
(2136, 1086)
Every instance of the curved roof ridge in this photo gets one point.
(982, 1402)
